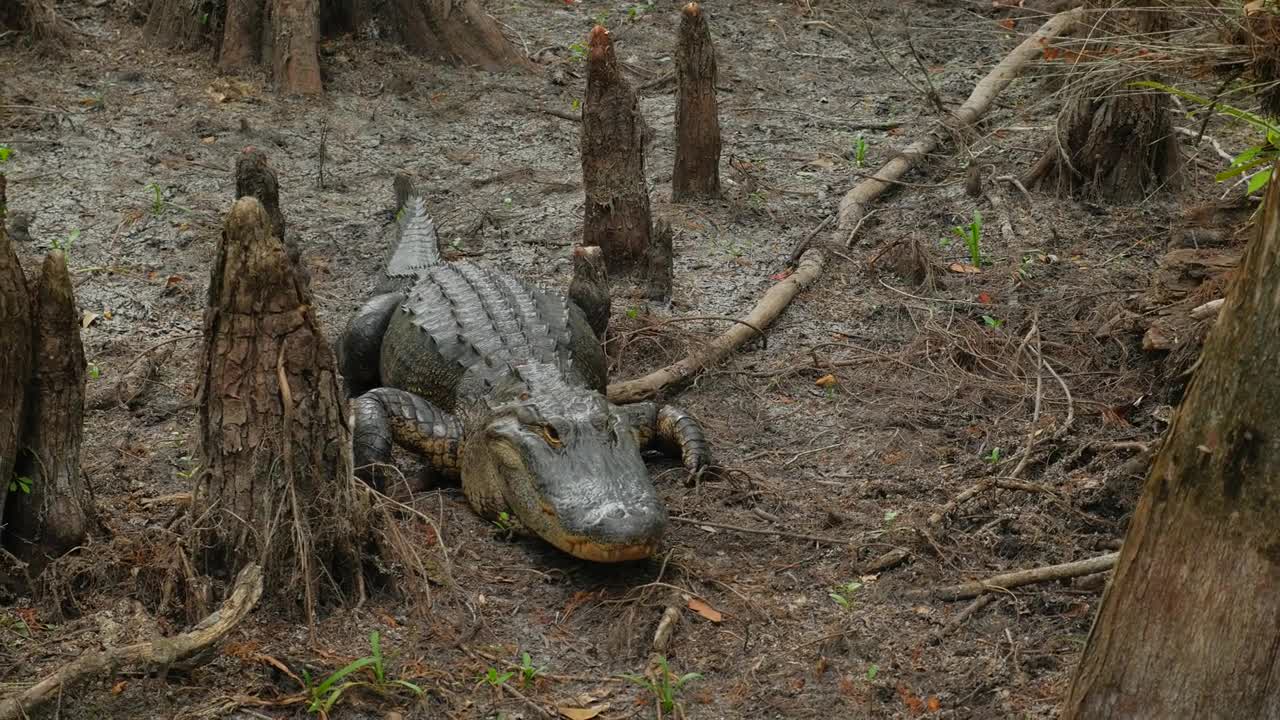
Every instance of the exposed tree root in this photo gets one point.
(1006, 581)
(159, 653)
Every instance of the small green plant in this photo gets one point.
(635, 11)
(5, 152)
(576, 104)
(20, 483)
(505, 524)
(890, 516)
(325, 695)
(992, 457)
(64, 246)
(157, 199)
(94, 371)
(494, 678)
(972, 236)
(991, 322)
(872, 671)
(843, 594)
(667, 687)
(633, 312)
(601, 17)
(578, 51)
(192, 468)
(1265, 152)
(860, 151)
(528, 673)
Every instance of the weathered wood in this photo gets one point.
(661, 262)
(612, 143)
(589, 288)
(55, 515)
(1187, 627)
(241, 35)
(697, 166)
(15, 352)
(273, 442)
(1113, 143)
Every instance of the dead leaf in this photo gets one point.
(119, 687)
(933, 704)
(575, 713)
(88, 318)
(1254, 7)
(984, 297)
(965, 268)
(1008, 23)
(826, 381)
(705, 610)
(822, 163)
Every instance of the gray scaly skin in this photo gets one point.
(501, 382)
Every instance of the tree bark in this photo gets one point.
(274, 444)
(54, 516)
(617, 211)
(15, 353)
(661, 262)
(1187, 627)
(295, 56)
(1113, 143)
(286, 33)
(697, 167)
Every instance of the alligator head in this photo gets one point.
(568, 466)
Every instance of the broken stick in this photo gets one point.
(160, 653)
(1019, 578)
(854, 204)
(764, 313)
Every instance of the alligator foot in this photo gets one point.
(672, 429)
(387, 414)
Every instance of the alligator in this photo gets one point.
(500, 382)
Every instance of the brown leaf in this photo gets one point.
(825, 381)
(576, 713)
(933, 704)
(705, 610)
(966, 268)
(119, 687)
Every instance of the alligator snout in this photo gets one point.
(625, 523)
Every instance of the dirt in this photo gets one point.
(124, 153)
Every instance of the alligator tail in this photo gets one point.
(417, 246)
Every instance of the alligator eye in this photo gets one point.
(550, 434)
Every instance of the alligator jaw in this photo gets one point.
(595, 552)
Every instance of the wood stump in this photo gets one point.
(1113, 143)
(53, 516)
(612, 144)
(1187, 625)
(275, 448)
(589, 289)
(697, 165)
(15, 354)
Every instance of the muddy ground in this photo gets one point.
(933, 387)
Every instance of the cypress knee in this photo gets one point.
(617, 209)
(54, 515)
(697, 168)
(15, 353)
(661, 259)
(589, 289)
(274, 443)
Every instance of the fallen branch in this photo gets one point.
(1019, 578)
(764, 313)
(961, 617)
(853, 205)
(1209, 309)
(159, 653)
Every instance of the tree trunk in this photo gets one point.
(286, 33)
(617, 211)
(1187, 627)
(589, 289)
(697, 168)
(273, 439)
(15, 353)
(661, 260)
(54, 516)
(1113, 142)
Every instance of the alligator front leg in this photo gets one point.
(671, 429)
(387, 414)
